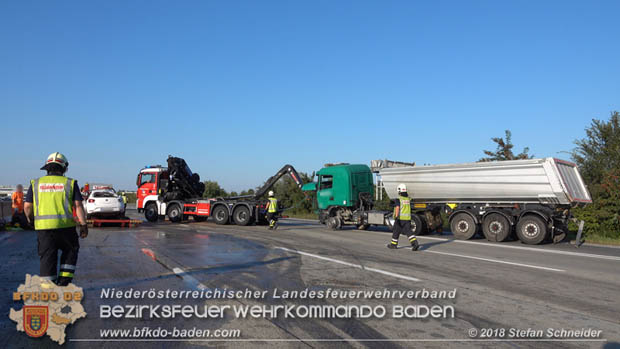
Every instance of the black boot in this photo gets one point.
(392, 246)
(64, 281)
(415, 245)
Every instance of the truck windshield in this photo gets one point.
(147, 178)
(326, 182)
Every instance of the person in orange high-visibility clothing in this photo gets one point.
(17, 206)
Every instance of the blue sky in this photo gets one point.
(239, 88)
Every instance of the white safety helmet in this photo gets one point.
(56, 158)
(271, 193)
(402, 188)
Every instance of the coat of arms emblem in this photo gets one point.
(35, 319)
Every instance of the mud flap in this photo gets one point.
(579, 241)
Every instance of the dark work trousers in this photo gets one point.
(402, 227)
(272, 218)
(50, 241)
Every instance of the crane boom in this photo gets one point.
(286, 169)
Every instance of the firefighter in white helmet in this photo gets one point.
(272, 211)
(50, 203)
(402, 219)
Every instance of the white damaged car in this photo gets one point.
(104, 203)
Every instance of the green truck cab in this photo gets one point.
(341, 189)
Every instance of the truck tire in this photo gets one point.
(175, 213)
(323, 215)
(463, 226)
(150, 212)
(417, 226)
(200, 218)
(333, 223)
(220, 215)
(531, 230)
(496, 227)
(241, 215)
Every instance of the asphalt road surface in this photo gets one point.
(499, 286)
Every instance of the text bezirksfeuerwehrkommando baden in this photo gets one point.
(323, 311)
(329, 293)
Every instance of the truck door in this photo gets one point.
(325, 194)
(147, 185)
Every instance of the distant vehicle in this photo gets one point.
(104, 203)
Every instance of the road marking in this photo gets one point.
(495, 261)
(358, 266)
(568, 253)
(183, 274)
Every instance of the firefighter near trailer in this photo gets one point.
(176, 192)
(402, 220)
(50, 203)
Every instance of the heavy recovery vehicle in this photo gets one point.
(175, 191)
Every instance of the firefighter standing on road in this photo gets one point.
(50, 202)
(402, 219)
(272, 211)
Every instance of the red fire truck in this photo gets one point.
(176, 192)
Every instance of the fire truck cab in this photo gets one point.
(152, 184)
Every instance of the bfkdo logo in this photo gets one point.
(48, 308)
(36, 319)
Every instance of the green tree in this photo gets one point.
(213, 190)
(291, 197)
(504, 150)
(598, 158)
(599, 152)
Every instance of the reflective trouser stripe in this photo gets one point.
(394, 242)
(66, 274)
(67, 266)
(411, 238)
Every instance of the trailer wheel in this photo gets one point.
(220, 215)
(463, 226)
(531, 230)
(150, 212)
(241, 215)
(200, 218)
(175, 213)
(496, 227)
